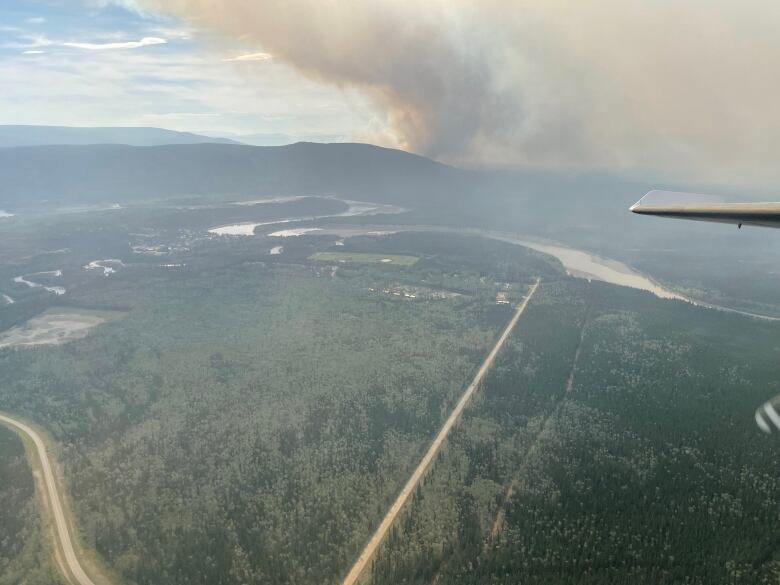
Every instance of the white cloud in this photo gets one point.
(181, 89)
(179, 33)
(129, 5)
(144, 42)
(27, 42)
(251, 57)
(35, 52)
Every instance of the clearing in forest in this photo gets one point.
(54, 326)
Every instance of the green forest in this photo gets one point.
(637, 464)
(251, 424)
(25, 555)
(249, 418)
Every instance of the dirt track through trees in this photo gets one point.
(373, 544)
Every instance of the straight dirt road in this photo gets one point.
(65, 544)
(373, 544)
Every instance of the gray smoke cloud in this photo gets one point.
(682, 86)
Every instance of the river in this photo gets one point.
(577, 263)
(57, 290)
(585, 265)
(355, 209)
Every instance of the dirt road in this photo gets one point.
(378, 536)
(65, 544)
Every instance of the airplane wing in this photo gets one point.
(703, 208)
(690, 206)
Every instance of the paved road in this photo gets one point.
(63, 534)
(373, 544)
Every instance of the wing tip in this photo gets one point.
(637, 207)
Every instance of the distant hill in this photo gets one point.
(107, 174)
(279, 139)
(117, 173)
(555, 204)
(13, 135)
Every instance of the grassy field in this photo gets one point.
(358, 257)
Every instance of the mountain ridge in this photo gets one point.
(21, 135)
(70, 174)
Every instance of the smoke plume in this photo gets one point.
(685, 86)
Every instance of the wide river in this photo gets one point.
(355, 209)
(586, 265)
(577, 263)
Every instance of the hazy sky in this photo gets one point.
(688, 87)
(77, 62)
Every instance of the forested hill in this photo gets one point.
(117, 173)
(107, 174)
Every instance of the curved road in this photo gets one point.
(373, 544)
(63, 534)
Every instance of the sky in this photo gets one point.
(93, 63)
(684, 88)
